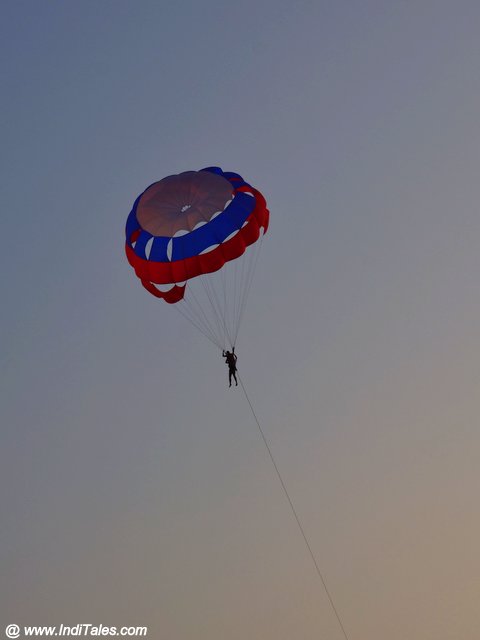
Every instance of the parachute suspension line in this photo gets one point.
(246, 290)
(187, 317)
(207, 327)
(225, 306)
(312, 555)
(222, 317)
(215, 315)
(248, 281)
(217, 310)
(246, 275)
(234, 305)
(236, 284)
(214, 283)
(199, 321)
(241, 288)
(198, 315)
(215, 303)
(202, 313)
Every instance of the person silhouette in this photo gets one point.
(231, 360)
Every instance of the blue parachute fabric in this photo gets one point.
(216, 231)
(158, 252)
(141, 244)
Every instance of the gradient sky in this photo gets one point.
(135, 486)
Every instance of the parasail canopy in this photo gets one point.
(185, 228)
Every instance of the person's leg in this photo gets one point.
(229, 377)
(234, 372)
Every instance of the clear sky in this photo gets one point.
(135, 486)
